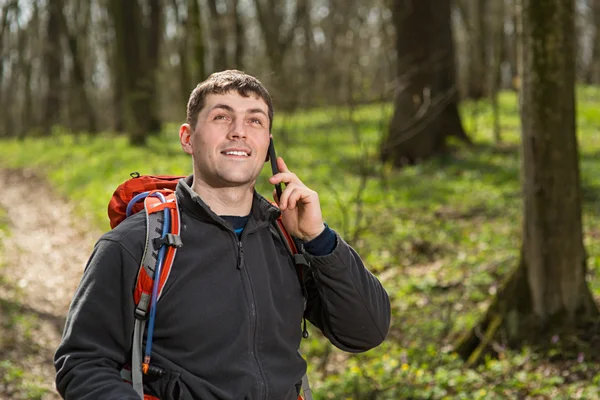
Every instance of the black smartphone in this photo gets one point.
(274, 169)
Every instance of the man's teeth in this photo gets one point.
(237, 153)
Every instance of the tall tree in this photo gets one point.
(190, 46)
(594, 68)
(219, 33)
(28, 118)
(198, 46)
(81, 104)
(548, 292)
(278, 36)
(154, 31)
(426, 99)
(496, 24)
(6, 9)
(182, 38)
(53, 66)
(239, 36)
(137, 41)
(476, 18)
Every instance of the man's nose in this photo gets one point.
(237, 128)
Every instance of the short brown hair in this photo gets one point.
(224, 82)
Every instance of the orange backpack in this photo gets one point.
(156, 195)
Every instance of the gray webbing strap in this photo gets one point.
(306, 392)
(136, 358)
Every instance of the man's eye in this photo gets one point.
(256, 121)
(220, 116)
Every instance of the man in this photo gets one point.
(228, 322)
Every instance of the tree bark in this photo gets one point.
(137, 62)
(184, 34)
(425, 103)
(81, 105)
(497, 34)
(154, 42)
(6, 9)
(278, 40)
(548, 292)
(594, 70)
(198, 46)
(239, 36)
(28, 117)
(553, 240)
(477, 64)
(118, 90)
(218, 29)
(53, 66)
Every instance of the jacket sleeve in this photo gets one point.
(98, 333)
(345, 300)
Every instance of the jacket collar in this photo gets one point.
(262, 213)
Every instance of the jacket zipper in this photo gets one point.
(253, 322)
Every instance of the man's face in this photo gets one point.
(230, 140)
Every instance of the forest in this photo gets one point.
(454, 144)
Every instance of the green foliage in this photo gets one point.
(440, 235)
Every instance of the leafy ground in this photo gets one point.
(42, 253)
(441, 236)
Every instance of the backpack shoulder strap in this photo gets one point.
(301, 263)
(294, 252)
(162, 241)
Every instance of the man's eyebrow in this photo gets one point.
(223, 107)
(230, 109)
(257, 110)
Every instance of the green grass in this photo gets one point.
(441, 235)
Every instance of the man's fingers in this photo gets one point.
(281, 165)
(285, 177)
(293, 195)
(298, 195)
(285, 196)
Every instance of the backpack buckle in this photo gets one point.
(169, 240)
(141, 310)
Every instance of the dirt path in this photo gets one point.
(43, 250)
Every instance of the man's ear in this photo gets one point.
(185, 137)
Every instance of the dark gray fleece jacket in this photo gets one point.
(228, 324)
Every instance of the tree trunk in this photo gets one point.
(6, 9)
(278, 41)
(477, 64)
(594, 70)
(81, 104)
(426, 98)
(548, 292)
(239, 36)
(184, 34)
(497, 34)
(198, 47)
(118, 89)
(154, 41)
(28, 117)
(53, 66)
(218, 36)
(512, 44)
(553, 238)
(137, 63)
